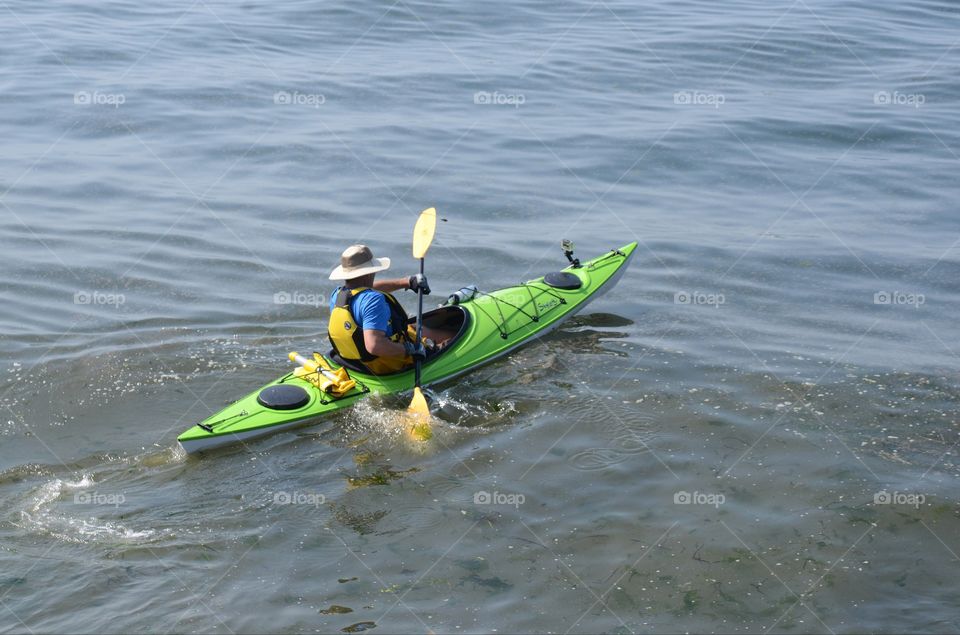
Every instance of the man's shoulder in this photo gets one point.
(367, 294)
(371, 295)
(372, 300)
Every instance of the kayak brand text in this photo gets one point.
(543, 307)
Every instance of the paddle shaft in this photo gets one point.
(416, 367)
(422, 237)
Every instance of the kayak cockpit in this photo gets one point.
(452, 319)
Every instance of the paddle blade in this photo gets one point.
(420, 412)
(423, 232)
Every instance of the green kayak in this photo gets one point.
(487, 326)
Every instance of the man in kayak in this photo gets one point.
(368, 326)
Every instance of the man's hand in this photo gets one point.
(419, 282)
(416, 351)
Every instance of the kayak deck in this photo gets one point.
(489, 326)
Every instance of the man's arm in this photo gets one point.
(377, 343)
(374, 316)
(390, 285)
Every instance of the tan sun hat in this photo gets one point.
(356, 261)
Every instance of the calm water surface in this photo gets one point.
(755, 432)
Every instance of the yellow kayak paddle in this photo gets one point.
(418, 408)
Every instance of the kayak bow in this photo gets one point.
(487, 326)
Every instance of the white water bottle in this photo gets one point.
(465, 294)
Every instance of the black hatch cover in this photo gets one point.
(283, 397)
(562, 280)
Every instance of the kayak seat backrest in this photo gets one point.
(445, 318)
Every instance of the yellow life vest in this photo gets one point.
(346, 335)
